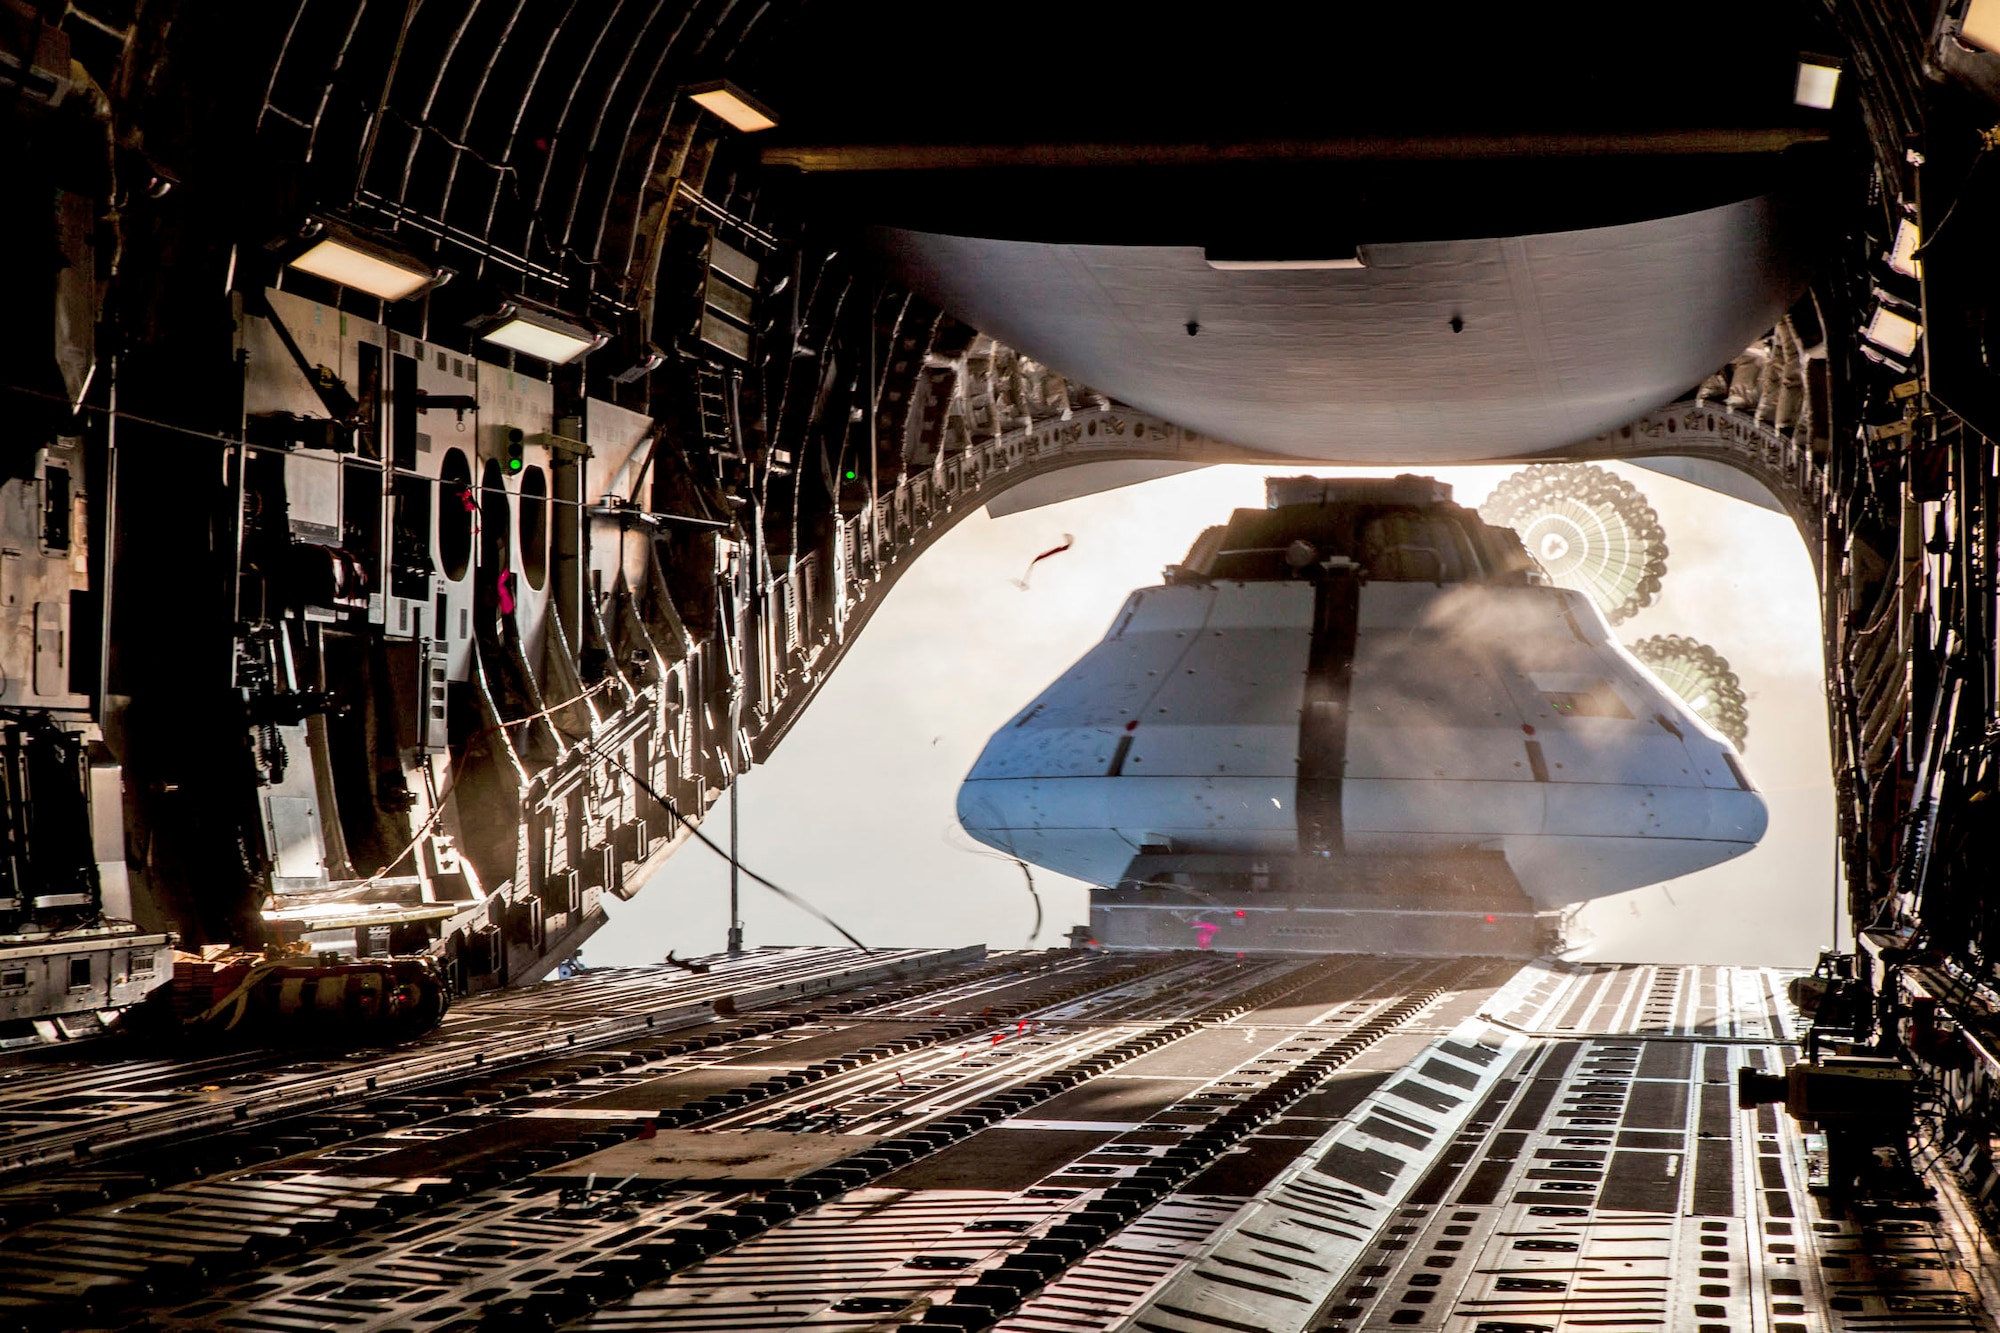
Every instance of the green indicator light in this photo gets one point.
(850, 474)
(513, 465)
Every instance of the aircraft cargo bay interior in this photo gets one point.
(712, 665)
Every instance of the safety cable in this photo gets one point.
(1988, 141)
(709, 843)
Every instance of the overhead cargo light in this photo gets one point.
(1819, 77)
(1892, 332)
(1238, 261)
(540, 334)
(1981, 25)
(1903, 253)
(1282, 265)
(732, 104)
(365, 263)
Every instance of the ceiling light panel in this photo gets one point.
(1981, 25)
(1903, 254)
(1892, 332)
(365, 269)
(540, 336)
(1819, 79)
(732, 104)
(1283, 265)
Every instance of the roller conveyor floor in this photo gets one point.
(1054, 1141)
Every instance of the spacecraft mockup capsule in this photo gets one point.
(1362, 687)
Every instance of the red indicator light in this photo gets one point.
(1492, 919)
(1242, 913)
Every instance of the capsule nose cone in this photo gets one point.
(1684, 835)
(982, 819)
(1740, 816)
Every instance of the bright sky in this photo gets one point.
(855, 810)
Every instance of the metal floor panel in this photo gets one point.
(100, 1101)
(913, 1245)
(1045, 1142)
(1596, 1176)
